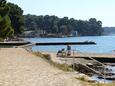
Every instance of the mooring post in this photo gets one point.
(113, 83)
(73, 61)
(104, 74)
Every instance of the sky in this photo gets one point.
(103, 10)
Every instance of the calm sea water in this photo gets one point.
(105, 44)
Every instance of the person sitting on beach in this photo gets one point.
(63, 52)
(59, 52)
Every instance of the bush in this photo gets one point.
(47, 57)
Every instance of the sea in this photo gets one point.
(104, 44)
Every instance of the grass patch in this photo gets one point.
(82, 78)
(98, 84)
(47, 57)
(64, 67)
(106, 84)
(85, 81)
(43, 56)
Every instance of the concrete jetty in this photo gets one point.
(66, 43)
(102, 57)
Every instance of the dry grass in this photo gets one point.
(47, 57)
(82, 78)
(107, 84)
(85, 79)
(102, 84)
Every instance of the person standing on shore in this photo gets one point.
(68, 50)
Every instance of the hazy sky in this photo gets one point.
(103, 10)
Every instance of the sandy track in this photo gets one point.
(21, 68)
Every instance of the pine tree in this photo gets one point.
(5, 23)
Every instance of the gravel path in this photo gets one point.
(21, 68)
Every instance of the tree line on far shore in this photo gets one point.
(64, 26)
(13, 22)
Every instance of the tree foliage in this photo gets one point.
(53, 24)
(17, 19)
(5, 22)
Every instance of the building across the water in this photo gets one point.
(74, 33)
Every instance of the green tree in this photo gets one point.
(17, 19)
(95, 27)
(30, 22)
(5, 23)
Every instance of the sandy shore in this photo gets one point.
(21, 68)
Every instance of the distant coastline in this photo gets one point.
(33, 34)
(109, 30)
